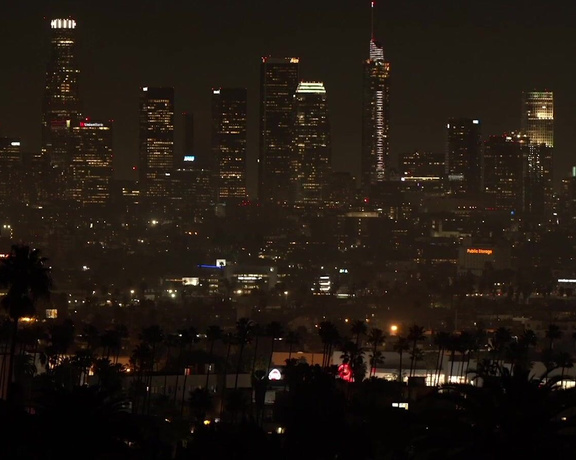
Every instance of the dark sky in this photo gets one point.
(448, 58)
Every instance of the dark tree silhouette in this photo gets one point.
(25, 274)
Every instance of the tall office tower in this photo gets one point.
(11, 178)
(61, 105)
(278, 83)
(505, 164)
(91, 168)
(375, 115)
(538, 124)
(229, 124)
(60, 111)
(312, 146)
(156, 147)
(463, 166)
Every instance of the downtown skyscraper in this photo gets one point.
(61, 105)
(375, 154)
(60, 112)
(278, 83)
(312, 145)
(11, 183)
(229, 127)
(463, 156)
(91, 167)
(156, 147)
(537, 123)
(504, 171)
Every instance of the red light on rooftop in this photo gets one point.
(134, 168)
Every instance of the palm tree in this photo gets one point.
(153, 336)
(415, 335)
(454, 345)
(376, 338)
(354, 356)
(91, 337)
(494, 420)
(111, 342)
(61, 339)
(564, 360)
(329, 336)
(142, 361)
(27, 278)
(275, 331)
(441, 340)
(200, 402)
(359, 328)
(500, 342)
(401, 345)
(228, 338)
(243, 337)
(82, 361)
(186, 338)
(257, 332)
(213, 333)
(553, 333)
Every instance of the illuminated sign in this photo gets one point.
(189, 158)
(15, 144)
(487, 252)
(189, 281)
(345, 372)
(274, 374)
(215, 91)
(63, 24)
(85, 124)
(221, 262)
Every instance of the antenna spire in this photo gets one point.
(372, 6)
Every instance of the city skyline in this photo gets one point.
(428, 85)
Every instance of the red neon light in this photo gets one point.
(345, 372)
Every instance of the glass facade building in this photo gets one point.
(375, 117)
(278, 83)
(156, 144)
(61, 104)
(91, 168)
(463, 168)
(229, 127)
(312, 146)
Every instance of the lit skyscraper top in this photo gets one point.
(375, 114)
(538, 116)
(376, 49)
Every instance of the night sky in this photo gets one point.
(448, 58)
